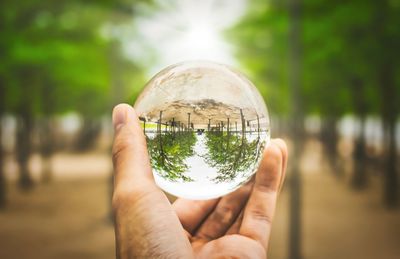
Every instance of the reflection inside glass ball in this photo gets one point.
(206, 127)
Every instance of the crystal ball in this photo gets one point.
(206, 127)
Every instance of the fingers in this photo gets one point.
(191, 213)
(259, 211)
(131, 162)
(234, 229)
(224, 214)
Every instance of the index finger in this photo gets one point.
(260, 208)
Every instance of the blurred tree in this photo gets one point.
(3, 53)
(364, 42)
(261, 38)
(366, 60)
(295, 8)
(349, 52)
(353, 22)
(325, 93)
(56, 60)
(386, 54)
(2, 176)
(337, 42)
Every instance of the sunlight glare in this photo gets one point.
(184, 30)
(200, 39)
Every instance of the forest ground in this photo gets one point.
(69, 217)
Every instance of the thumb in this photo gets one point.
(131, 161)
(145, 223)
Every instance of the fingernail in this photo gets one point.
(119, 116)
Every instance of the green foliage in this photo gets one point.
(168, 152)
(261, 39)
(55, 58)
(232, 154)
(343, 44)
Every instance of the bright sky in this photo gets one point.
(183, 30)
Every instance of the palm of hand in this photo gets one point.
(146, 226)
(214, 227)
(231, 246)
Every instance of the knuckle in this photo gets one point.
(119, 198)
(267, 183)
(224, 214)
(269, 187)
(260, 215)
(125, 196)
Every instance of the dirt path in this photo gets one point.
(69, 219)
(338, 222)
(62, 220)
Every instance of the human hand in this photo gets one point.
(148, 226)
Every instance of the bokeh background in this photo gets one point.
(328, 70)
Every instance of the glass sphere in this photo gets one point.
(206, 127)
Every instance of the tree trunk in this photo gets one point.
(243, 124)
(2, 176)
(25, 125)
(3, 52)
(88, 134)
(389, 108)
(391, 181)
(386, 64)
(173, 124)
(189, 120)
(330, 137)
(46, 130)
(296, 128)
(359, 178)
(46, 148)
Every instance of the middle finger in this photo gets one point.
(224, 214)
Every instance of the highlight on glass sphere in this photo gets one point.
(206, 127)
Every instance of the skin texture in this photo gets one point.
(237, 225)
